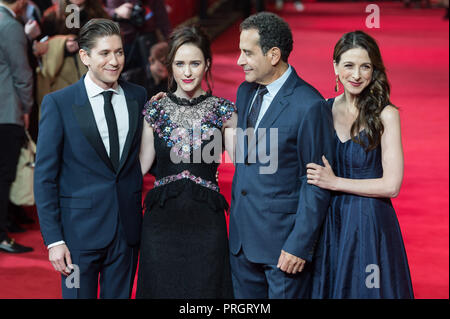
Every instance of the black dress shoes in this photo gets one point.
(10, 246)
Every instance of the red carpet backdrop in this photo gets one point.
(415, 47)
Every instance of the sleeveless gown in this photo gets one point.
(184, 245)
(361, 252)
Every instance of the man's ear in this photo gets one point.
(275, 55)
(84, 56)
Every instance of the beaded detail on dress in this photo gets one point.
(187, 175)
(183, 124)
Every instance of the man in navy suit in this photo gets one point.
(88, 178)
(276, 216)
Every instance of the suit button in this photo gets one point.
(244, 193)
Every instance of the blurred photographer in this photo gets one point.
(142, 24)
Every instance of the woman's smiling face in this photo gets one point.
(355, 70)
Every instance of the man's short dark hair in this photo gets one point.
(273, 32)
(94, 29)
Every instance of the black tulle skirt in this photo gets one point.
(184, 246)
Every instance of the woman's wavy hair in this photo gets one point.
(189, 35)
(375, 97)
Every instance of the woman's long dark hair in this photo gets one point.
(192, 35)
(375, 97)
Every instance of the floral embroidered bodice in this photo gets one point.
(188, 137)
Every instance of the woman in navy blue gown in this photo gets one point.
(361, 252)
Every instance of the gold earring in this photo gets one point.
(336, 88)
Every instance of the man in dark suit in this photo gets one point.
(275, 216)
(16, 96)
(88, 178)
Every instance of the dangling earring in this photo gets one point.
(336, 88)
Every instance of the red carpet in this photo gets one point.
(415, 47)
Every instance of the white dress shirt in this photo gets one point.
(119, 103)
(272, 89)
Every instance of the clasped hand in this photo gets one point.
(321, 176)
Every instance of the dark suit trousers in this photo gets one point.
(113, 267)
(263, 281)
(12, 137)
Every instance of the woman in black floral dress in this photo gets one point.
(184, 246)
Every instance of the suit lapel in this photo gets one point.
(277, 106)
(133, 118)
(86, 120)
(279, 103)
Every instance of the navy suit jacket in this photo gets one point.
(271, 212)
(80, 198)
